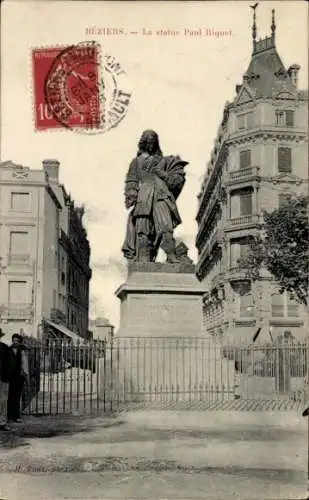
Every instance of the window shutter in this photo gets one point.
(293, 308)
(246, 306)
(241, 122)
(284, 159)
(250, 120)
(277, 306)
(234, 206)
(246, 203)
(289, 116)
(18, 292)
(234, 253)
(280, 118)
(245, 158)
(244, 248)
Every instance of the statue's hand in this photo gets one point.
(130, 199)
(129, 203)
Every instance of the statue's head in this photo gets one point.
(149, 143)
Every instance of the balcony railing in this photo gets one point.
(19, 260)
(215, 238)
(243, 174)
(57, 316)
(237, 273)
(217, 280)
(243, 220)
(213, 201)
(17, 311)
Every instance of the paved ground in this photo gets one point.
(166, 455)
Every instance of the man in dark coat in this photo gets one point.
(4, 386)
(17, 374)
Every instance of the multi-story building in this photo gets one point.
(101, 328)
(260, 157)
(40, 232)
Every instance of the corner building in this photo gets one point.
(44, 254)
(260, 157)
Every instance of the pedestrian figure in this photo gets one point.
(17, 376)
(236, 380)
(4, 386)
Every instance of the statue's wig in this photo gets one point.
(149, 143)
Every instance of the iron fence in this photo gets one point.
(122, 372)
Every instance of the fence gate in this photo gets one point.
(142, 372)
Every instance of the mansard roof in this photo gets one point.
(266, 74)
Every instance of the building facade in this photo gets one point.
(101, 328)
(36, 218)
(260, 158)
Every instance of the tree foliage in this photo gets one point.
(282, 248)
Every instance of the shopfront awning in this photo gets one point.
(63, 330)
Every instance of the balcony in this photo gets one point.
(213, 242)
(243, 175)
(19, 260)
(217, 280)
(242, 222)
(17, 311)
(237, 273)
(213, 202)
(57, 316)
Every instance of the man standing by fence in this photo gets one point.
(4, 386)
(17, 376)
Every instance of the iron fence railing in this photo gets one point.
(106, 375)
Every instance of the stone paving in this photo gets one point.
(158, 454)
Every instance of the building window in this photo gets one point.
(245, 159)
(246, 305)
(20, 202)
(282, 306)
(283, 198)
(241, 203)
(245, 200)
(238, 249)
(18, 292)
(285, 118)
(284, 159)
(19, 247)
(245, 121)
(62, 278)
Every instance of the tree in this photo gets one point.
(283, 249)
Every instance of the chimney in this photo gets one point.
(51, 167)
(293, 72)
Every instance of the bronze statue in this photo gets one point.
(153, 184)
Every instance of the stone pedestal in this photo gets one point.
(162, 353)
(159, 300)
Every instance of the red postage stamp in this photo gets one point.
(66, 87)
(77, 88)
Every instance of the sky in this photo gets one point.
(179, 87)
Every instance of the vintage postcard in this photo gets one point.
(154, 250)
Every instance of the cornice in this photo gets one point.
(267, 134)
(283, 178)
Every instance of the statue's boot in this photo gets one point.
(144, 248)
(169, 247)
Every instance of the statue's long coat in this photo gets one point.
(149, 189)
